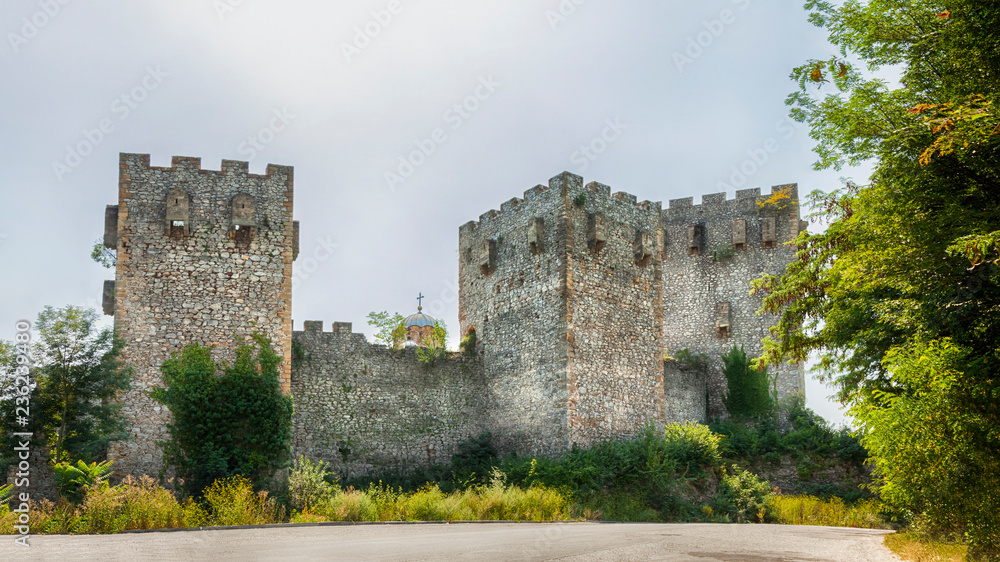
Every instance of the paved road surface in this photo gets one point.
(501, 541)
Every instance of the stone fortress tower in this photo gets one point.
(203, 257)
(577, 297)
(563, 288)
(712, 253)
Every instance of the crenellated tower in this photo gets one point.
(563, 290)
(712, 253)
(203, 256)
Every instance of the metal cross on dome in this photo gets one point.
(420, 303)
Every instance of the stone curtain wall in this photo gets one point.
(615, 309)
(198, 287)
(364, 408)
(515, 299)
(685, 393)
(695, 284)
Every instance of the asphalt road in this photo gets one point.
(501, 541)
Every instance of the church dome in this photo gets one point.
(419, 319)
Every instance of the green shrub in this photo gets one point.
(129, 506)
(435, 348)
(751, 393)
(238, 422)
(73, 481)
(744, 496)
(692, 445)
(232, 501)
(307, 485)
(468, 344)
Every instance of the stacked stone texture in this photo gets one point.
(518, 310)
(202, 287)
(576, 295)
(570, 327)
(695, 284)
(365, 408)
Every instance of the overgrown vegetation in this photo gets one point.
(435, 346)
(77, 375)
(677, 475)
(144, 504)
(751, 393)
(217, 419)
(900, 293)
(468, 344)
(72, 481)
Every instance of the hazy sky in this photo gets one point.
(660, 99)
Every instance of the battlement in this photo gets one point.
(338, 330)
(341, 334)
(747, 201)
(565, 184)
(192, 165)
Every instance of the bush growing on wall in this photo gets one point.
(238, 423)
(750, 393)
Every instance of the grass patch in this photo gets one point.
(910, 546)
(831, 512)
(496, 502)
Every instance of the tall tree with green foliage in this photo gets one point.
(391, 328)
(901, 293)
(227, 419)
(78, 376)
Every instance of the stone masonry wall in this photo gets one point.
(199, 286)
(695, 284)
(364, 408)
(515, 300)
(615, 310)
(569, 330)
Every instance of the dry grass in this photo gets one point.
(809, 510)
(911, 547)
(495, 502)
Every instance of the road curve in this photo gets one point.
(475, 541)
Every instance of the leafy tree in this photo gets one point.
(235, 423)
(104, 255)
(900, 294)
(749, 393)
(391, 328)
(77, 375)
